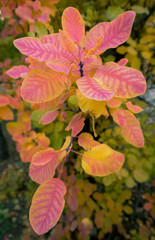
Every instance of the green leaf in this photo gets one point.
(139, 9)
(140, 175)
(40, 29)
(113, 12)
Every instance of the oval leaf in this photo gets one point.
(33, 47)
(118, 31)
(49, 117)
(94, 34)
(102, 161)
(17, 71)
(126, 82)
(91, 89)
(43, 86)
(131, 131)
(40, 173)
(133, 108)
(73, 24)
(86, 141)
(47, 205)
(44, 156)
(4, 100)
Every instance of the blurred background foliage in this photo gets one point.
(119, 206)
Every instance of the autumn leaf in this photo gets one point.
(47, 205)
(101, 161)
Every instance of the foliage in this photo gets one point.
(62, 114)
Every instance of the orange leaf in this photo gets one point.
(86, 141)
(45, 156)
(6, 113)
(66, 42)
(73, 24)
(114, 103)
(43, 86)
(47, 205)
(118, 116)
(102, 161)
(133, 108)
(131, 131)
(4, 100)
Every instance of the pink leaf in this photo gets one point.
(92, 90)
(4, 100)
(94, 34)
(33, 47)
(63, 65)
(73, 24)
(133, 108)
(131, 131)
(123, 62)
(72, 202)
(40, 173)
(44, 156)
(25, 13)
(118, 116)
(126, 82)
(17, 71)
(76, 124)
(49, 117)
(118, 31)
(58, 53)
(47, 205)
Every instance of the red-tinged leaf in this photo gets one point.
(6, 113)
(126, 82)
(131, 131)
(114, 103)
(17, 71)
(45, 156)
(40, 86)
(42, 172)
(92, 90)
(33, 47)
(118, 31)
(73, 24)
(49, 117)
(102, 161)
(86, 141)
(118, 116)
(4, 100)
(94, 34)
(123, 62)
(47, 205)
(133, 108)
(76, 124)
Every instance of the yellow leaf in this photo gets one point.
(102, 161)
